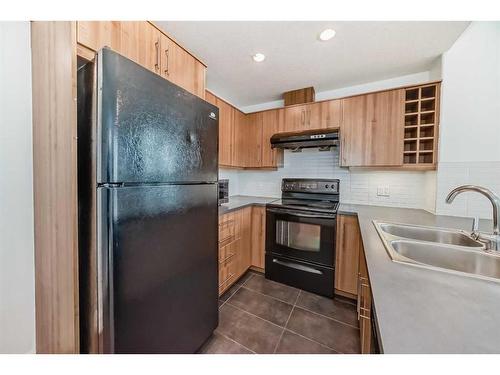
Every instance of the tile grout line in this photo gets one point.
(236, 342)
(310, 339)
(249, 313)
(301, 307)
(286, 323)
(239, 287)
(265, 295)
(328, 317)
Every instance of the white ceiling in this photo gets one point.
(361, 52)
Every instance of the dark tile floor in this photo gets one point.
(257, 315)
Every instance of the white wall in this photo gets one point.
(469, 148)
(17, 286)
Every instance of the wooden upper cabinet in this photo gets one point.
(295, 118)
(271, 123)
(179, 67)
(149, 47)
(143, 43)
(225, 132)
(98, 34)
(211, 98)
(371, 131)
(247, 140)
(331, 114)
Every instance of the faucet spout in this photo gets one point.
(493, 198)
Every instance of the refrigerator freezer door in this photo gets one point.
(150, 130)
(159, 258)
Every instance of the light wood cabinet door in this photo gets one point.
(149, 47)
(331, 114)
(347, 254)
(364, 306)
(372, 130)
(296, 118)
(98, 34)
(181, 68)
(270, 126)
(225, 132)
(211, 98)
(244, 256)
(129, 39)
(258, 236)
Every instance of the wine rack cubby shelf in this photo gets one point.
(421, 113)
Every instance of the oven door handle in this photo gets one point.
(295, 213)
(297, 266)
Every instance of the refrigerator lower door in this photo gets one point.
(158, 275)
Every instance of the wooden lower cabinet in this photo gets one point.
(351, 276)
(364, 307)
(258, 236)
(348, 248)
(241, 244)
(234, 246)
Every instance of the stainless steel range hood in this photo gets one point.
(323, 140)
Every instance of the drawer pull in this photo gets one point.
(225, 281)
(227, 258)
(226, 240)
(227, 222)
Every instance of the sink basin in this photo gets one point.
(438, 235)
(442, 249)
(452, 258)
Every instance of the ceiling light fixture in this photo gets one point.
(258, 57)
(327, 34)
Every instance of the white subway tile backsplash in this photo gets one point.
(406, 189)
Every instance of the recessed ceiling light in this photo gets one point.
(327, 34)
(258, 57)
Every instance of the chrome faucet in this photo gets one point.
(492, 240)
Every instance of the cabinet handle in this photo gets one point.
(157, 50)
(358, 305)
(225, 281)
(166, 56)
(227, 258)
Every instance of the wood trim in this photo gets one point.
(300, 96)
(85, 52)
(53, 46)
(345, 294)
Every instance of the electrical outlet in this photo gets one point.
(383, 191)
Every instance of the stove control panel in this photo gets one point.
(307, 185)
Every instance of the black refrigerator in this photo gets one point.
(148, 211)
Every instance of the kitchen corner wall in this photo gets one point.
(469, 147)
(17, 269)
(413, 189)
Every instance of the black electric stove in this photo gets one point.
(300, 234)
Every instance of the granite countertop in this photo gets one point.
(427, 311)
(240, 201)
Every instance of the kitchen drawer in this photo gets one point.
(228, 252)
(228, 228)
(227, 274)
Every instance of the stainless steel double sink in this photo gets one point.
(441, 249)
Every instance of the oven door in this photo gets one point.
(302, 235)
